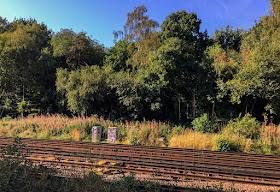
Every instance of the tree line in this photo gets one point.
(173, 71)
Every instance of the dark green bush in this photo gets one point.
(224, 144)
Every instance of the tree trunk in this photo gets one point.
(253, 106)
(194, 105)
(165, 111)
(2, 111)
(23, 89)
(213, 110)
(179, 110)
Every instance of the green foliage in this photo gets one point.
(179, 55)
(138, 25)
(76, 49)
(133, 139)
(149, 133)
(84, 51)
(140, 32)
(85, 88)
(246, 126)
(176, 130)
(17, 174)
(23, 58)
(181, 24)
(61, 41)
(117, 56)
(268, 141)
(203, 124)
(247, 67)
(138, 93)
(227, 145)
(229, 39)
(128, 183)
(3, 25)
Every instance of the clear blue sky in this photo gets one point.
(100, 17)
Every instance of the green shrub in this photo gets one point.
(225, 144)
(203, 124)
(246, 126)
(133, 136)
(176, 130)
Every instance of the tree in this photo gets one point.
(86, 89)
(117, 56)
(61, 42)
(248, 74)
(138, 25)
(139, 94)
(84, 51)
(21, 49)
(179, 55)
(260, 69)
(74, 50)
(229, 39)
(3, 25)
(142, 31)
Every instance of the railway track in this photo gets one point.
(173, 162)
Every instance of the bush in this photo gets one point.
(176, 130)
(246, 126)
(203, 124)
(269, 140)
(225, 144)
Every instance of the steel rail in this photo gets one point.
(157, 160)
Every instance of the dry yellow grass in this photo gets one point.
(3, 131)
(194, 140)
(76, 134)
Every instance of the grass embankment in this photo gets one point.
(242, 134)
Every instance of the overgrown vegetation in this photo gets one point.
(258, 138)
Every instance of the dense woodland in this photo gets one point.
(171, 71)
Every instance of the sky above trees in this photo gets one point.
(100, 18)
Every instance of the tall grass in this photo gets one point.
(263, 140)
(52, 127)
(61, 127)
(144, 133)
(195, 140)
(269, 141)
